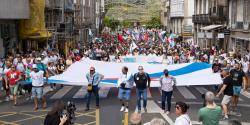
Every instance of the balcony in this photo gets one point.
(208, 19)
(201, 19)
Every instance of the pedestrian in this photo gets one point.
(167, 82)
(210, 115)
(13, 78)
(56, 116)
(6, 67)
(239, 77)
(94, 79)
(37, 86)
(125, 83)
(181, 111)
(227, 90)
(142, 81)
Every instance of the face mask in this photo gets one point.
(166, 74)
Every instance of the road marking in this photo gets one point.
(245, 93)
(97, 116)
(46, 89)
(81, 93)
(149, 93)
(154, 108)
(203, 90)
(186, 93)
(126, 118)
(103, 92)
(63, 91)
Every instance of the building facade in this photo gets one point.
(210, 21)
(11, 11)
(165, 12)
(181, 12)
(239, 23)
(88, 20)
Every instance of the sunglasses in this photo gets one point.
(92, 70)
(177, 107)
(140, 69)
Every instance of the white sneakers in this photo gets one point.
(124, 109)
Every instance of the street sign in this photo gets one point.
(200, 35)
(209, 35)
(220, 35)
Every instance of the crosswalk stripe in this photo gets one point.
(201, 90)
(103, 92)
(81, 93)
(154, 108)
(149, 93)
(186, 93)
(63, 91)
(46, 89)
(246, 94)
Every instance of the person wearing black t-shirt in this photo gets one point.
(238, 77)
(227, 89)
(142, 81)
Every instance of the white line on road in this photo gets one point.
(63, 91)
(245, 93)
(81, 93)
(154, 108)
(149, 93)
(104, 91)
(186, 93)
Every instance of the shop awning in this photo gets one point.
(211, 27)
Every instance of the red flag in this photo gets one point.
(120, 38)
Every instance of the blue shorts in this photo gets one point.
(37, 92)
(124, 94)
(237, 90)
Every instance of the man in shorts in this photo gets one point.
(238, 77)
(13, 77)
(125, 83)
(227, 89)
(37, 86)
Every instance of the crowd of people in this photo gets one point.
(23, 74)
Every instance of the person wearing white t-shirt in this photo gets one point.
(37, 86)
(181, 111)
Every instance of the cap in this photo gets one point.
(165, 71)
(34, 66)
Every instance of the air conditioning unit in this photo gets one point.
(233, 26)
(245, 26)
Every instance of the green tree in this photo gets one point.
(111, 23)
(154, 22)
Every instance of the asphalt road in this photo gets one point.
(109, 113)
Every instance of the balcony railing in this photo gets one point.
(201, 18)
(208, 19)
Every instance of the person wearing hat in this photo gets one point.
(94, 78)
(37, 86)
(167, 82)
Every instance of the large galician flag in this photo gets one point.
(185, 74)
